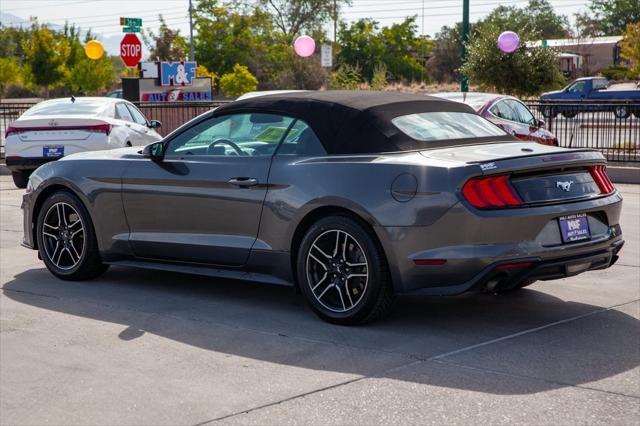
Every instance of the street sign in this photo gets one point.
(326, 56)
(130, 50)
(131, 29)
(130, 22)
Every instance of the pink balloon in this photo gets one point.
(304, 46)
(508, 41)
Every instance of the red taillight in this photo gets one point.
(516, 265)
(10, 130)
(490, 192)
(97, 128)
(599, 175)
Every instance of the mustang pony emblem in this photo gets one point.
(565, 186)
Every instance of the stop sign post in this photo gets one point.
(130, 50)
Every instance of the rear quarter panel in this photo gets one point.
(360, 184)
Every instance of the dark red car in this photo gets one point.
(506, 112)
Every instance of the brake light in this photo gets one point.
(9, 131)
(490, 192)
(515, 265)
(600, 177)
(97, 128)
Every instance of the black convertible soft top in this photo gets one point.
(354, 122)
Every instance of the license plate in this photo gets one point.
(574, 228)
(52, 151)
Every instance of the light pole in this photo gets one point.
(191, 53)
(464, 83)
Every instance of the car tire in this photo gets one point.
(621, 112)
(20, 179)
(66, 239)
(569, 114)
(343, 273)
(548, 112)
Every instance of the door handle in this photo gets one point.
(243, 182)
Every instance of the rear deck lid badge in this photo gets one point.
(565, 186)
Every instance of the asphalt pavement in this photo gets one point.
(145, 347)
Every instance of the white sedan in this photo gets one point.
(60, 127)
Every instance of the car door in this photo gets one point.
(508, 119)
(202, 202)
(133, 134)
(147, 134)
(527, 119)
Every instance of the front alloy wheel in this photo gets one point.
(66, 238)
(342, 272)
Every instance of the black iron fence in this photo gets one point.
(174, 114)
(611, 127)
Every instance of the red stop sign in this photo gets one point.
(130, 50)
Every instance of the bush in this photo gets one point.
(347, 77)
(618, 72)
(526, 72)
(379, 79)
(238, 82)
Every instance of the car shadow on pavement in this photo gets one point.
(273, 324)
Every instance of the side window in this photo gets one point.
(599, 84)
(502, 110)
(301, 140)
(524, 115)
(231, 135)
(137, 115)
(123, 113)
(577, 87)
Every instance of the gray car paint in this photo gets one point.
(183, 215)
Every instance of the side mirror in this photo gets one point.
(541, 123)
(154, 151)
(155, 124)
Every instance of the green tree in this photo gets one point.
(167, 45)
(238, 82)
(608, 17)
(630, 48)
(526, 72)
(346, 77)
(364, 45)
(537, 18)
(45, 57)
(9, 72)
(292, 17)
(445, 60)
(227, 37)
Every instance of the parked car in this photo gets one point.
(52, 129)
(592, 89)
(115, 94)
(506, 112)
(350, 196)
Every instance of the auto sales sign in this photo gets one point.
(177, 73)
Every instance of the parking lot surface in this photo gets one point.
(145, 347)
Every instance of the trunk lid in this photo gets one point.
(538, 174)
(49, 128)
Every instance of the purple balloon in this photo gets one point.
(508, 41)
(304, 46)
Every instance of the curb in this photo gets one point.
(624, 174)
(3, 170)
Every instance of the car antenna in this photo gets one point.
(73, 99)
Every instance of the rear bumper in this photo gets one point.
(463, 250)
(16, 164)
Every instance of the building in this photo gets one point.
(581, 57)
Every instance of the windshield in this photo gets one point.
(441, 126)
(66, 107)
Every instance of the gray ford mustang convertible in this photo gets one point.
(351, 197)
